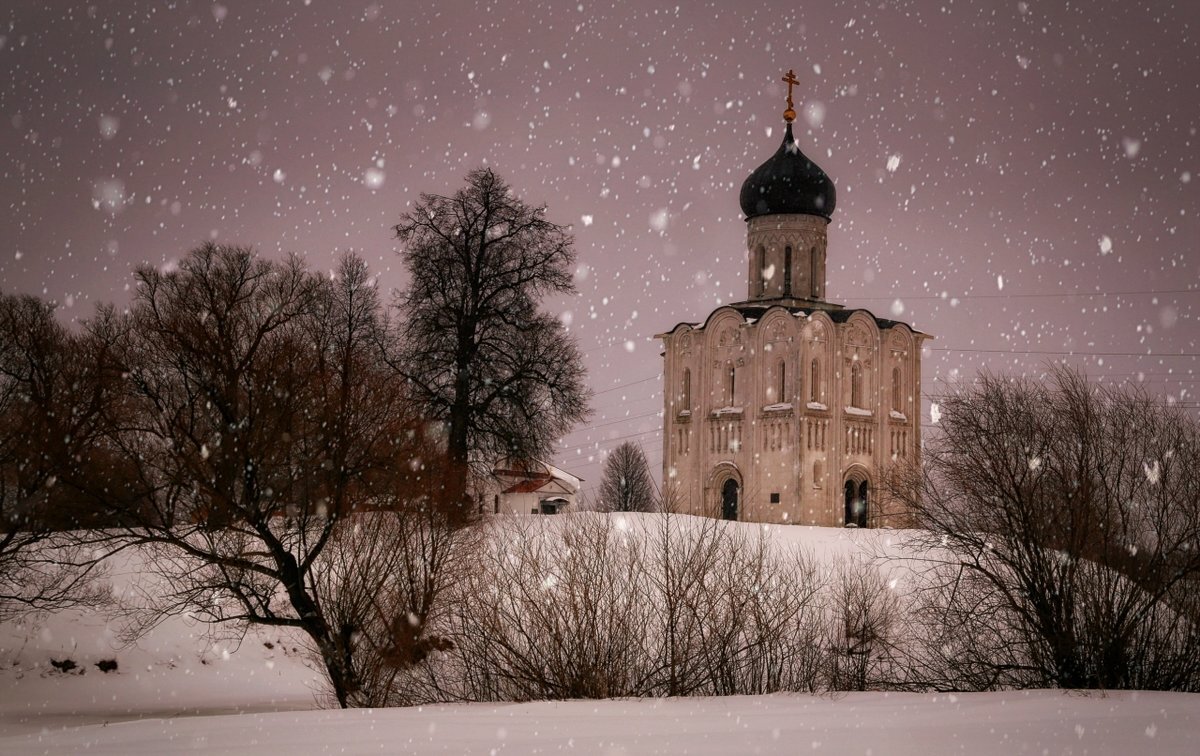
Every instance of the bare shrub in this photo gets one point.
(863, 631)
(741, 614)
(552, 614)
(1065, 517)
(383, 580)
(590, 606)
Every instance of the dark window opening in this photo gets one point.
(856, 504)
(761, 273)
(787, 271)
(812, 258)
(729, 500)
(774, 498)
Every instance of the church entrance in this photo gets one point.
(729, 500)
(856, 503)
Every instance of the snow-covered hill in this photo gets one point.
(179, 689)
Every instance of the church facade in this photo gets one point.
(786, 407)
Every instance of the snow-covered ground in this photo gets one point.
(179, 690)
(1033, 722)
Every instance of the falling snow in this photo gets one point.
(971, 144)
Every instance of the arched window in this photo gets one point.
(814, 382)
(857, 503)
(812, 276)
(729, 499)
(731, 385)
(856, 385)
(782, 388)
(897, 390)
(685, 396)
(787, 271)
(761, 259)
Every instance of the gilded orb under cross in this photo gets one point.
(789, 115)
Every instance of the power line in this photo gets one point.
(626, 419)
(626, 385)
(1071, 353)
(1030, 295)
(621, 438)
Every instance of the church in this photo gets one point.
(785, 407)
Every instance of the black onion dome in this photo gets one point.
(788, 183)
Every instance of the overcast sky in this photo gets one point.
(1020, 179)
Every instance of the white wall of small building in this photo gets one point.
(529, 503)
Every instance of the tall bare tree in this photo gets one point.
(626, 485)
(503, 376)
(1068, 514)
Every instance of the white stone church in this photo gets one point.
(785, 407)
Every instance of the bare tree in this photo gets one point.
(1066, 516)
(52, 398)
(626, 485)
(503, 377)
(265, 417)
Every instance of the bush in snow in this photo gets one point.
(1062, 529)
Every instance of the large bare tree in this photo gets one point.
(1068, 516)
(503, 376)
(625, 485)
(266, 417)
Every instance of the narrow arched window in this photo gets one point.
(897, 390)
(812, 277)
(814, 382)
(761, 273)
(731, 384)
(782, 382)
(856, 385)
(787, 271)
(685, 395)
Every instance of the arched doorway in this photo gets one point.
(857, 496)
(730, 492)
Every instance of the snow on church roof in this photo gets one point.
(752, 312)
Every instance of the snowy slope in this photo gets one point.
(178, 668)
(979, 724)
(180, 690)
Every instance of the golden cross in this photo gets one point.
(789, 115)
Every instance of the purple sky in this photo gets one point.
(994, 160)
